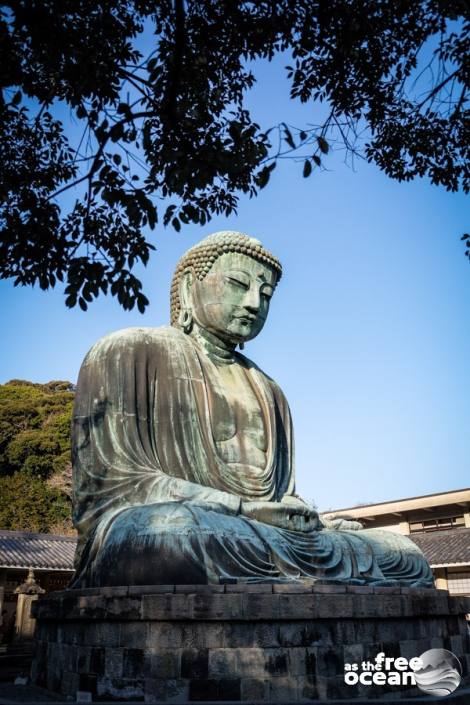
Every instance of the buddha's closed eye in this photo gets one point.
(238, 281)
(267, 292)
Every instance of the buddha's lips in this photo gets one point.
(246, 318)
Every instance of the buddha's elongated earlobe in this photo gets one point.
(185, 320)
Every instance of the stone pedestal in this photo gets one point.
(267, 643)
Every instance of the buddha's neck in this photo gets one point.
(216, 348)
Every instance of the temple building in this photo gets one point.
(438, 523)
(43, 558)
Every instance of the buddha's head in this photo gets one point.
(224, 285)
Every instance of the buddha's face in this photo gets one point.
(232, 301)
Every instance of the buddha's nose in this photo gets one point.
(252, 299)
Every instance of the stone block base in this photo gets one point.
(266, 643)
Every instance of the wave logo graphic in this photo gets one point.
(440, 673)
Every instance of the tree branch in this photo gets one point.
(177, 60)
(98, 154)
(437, 88)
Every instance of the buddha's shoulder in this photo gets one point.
(131, 341)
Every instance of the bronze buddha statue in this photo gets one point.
(183, 449)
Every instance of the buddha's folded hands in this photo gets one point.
(340, 524)
(294, 517)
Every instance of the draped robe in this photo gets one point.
(154, 503)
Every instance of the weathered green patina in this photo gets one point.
(183, 449)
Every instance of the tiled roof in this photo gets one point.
(19, 549)
(442, 547)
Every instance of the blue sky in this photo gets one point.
(369, 330)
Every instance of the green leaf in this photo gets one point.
(124, 109)
(152, 65)
(116, 132)
(168, 214)
(71, 300)
(142, 302)
(16, 100)
(323, 144)
(263, 176)
(146, 137)
(288, 136)
(307, 168)
(152, 215)
(316, 159)
(235, 129)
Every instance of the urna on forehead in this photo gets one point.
(202, 256)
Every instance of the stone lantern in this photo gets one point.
(28, 592)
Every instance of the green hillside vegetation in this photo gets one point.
(35, 467)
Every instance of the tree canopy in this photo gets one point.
(138, 110)
(35, 464)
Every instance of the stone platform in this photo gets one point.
(265, 643)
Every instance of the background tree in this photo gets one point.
(28, 504)
(164, 134)
(35, 466)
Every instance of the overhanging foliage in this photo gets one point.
(163, 135)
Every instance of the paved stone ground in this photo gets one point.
(10, 693)
(31, 695)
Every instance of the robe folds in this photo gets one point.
(154, 503)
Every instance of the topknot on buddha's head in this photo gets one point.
(202, 256)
